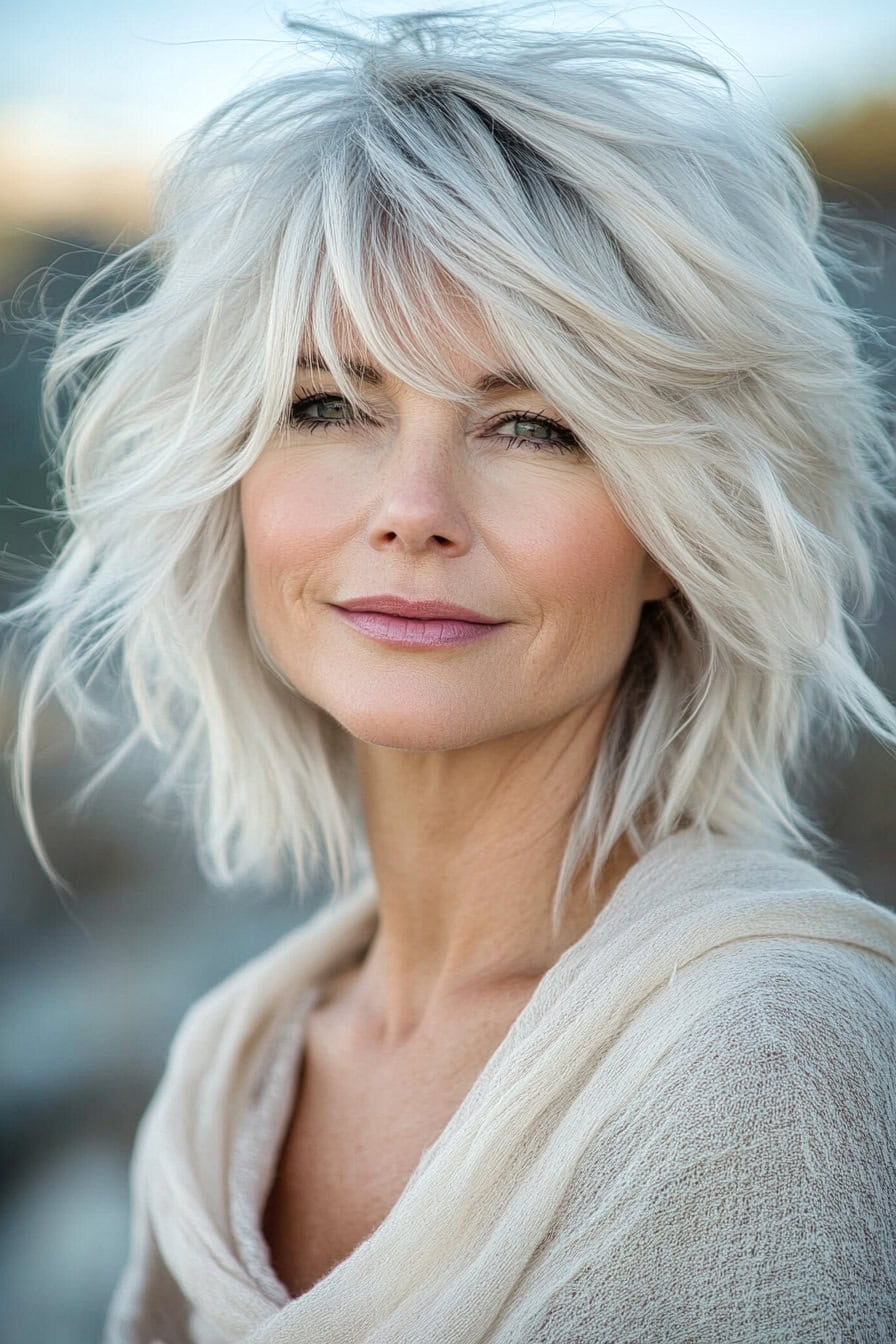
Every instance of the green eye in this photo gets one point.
(565, 437)
(298, 416)
(539, 429)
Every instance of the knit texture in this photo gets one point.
(688, 1135)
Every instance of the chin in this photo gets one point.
(431, 728)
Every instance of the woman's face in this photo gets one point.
(485, 510)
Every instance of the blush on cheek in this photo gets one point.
(594, 571)
(584, 549)
(292, 518)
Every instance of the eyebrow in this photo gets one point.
(502, 381)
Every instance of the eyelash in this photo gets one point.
(567, 442)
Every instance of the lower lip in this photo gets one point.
(410, 633)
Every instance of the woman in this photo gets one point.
(475, 494)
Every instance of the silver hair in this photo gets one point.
(649, 247)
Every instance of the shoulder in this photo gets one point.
(762, 964)
(755, 1158)
(784, 1042)
(721, 933)
(742, 911)
(227, 1021)
(704, 863)
(773, 1078)
(831, 989)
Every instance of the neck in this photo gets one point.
(466, 848)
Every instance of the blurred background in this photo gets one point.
(93, 99)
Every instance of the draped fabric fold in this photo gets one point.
(688, 1134)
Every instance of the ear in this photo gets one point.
(657, 583)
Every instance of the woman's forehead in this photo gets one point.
(445, 331)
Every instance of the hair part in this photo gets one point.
(649, 248)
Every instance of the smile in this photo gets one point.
(414, 632)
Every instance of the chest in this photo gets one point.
(358, 1129)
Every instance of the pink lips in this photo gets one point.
(414, 624)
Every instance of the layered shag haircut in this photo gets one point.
(649, 247)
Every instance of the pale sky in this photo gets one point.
(111, 80)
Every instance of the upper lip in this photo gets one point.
(391, 605)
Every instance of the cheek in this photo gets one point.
(580, 558)
(293, 523)
(291, 519)
(591, 588)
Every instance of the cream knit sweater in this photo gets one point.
(688, 1135)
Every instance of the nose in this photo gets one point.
(419, 508)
